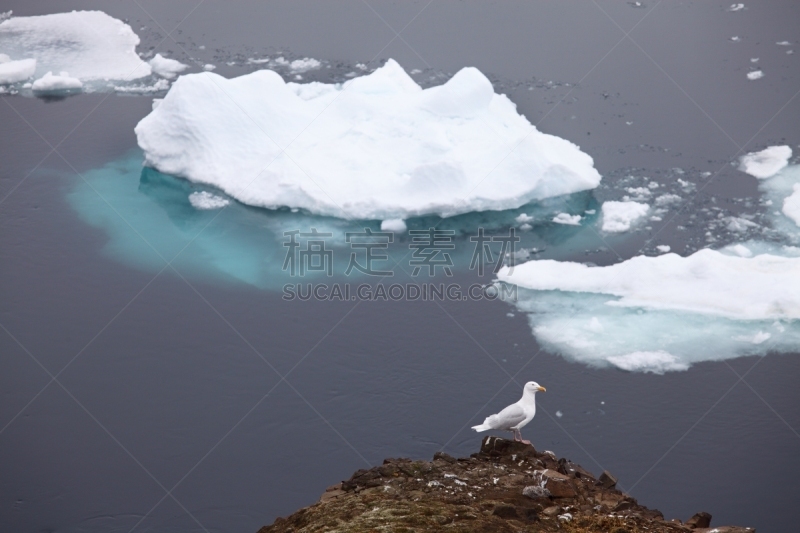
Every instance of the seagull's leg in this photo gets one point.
(517, 436)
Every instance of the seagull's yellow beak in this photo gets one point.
(542, 389)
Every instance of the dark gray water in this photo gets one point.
(171, 412)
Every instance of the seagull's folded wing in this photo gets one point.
(507, 418)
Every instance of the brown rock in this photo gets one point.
(623, 506)
(607, 480)
(444, 457)
(701, 519)
(571, 469)
(552, 511)
(559, 485)
(497, 447)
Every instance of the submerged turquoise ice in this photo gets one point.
(150, 221)
(153, 220)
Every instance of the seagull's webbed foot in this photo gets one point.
(523, 441)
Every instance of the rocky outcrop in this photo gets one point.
(506, 487)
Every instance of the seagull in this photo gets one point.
(516, 415)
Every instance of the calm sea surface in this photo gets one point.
(140, 396)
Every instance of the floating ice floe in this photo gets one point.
(376, 147)
(165, 67)
(619, 216)
(767, 162)
(755, 75)
(663, 248)
(92, 46)
(663, 313)
(567, 219)
(707, 282)
(56, 83)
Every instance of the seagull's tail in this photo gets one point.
(487, 425)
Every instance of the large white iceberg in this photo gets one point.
(375, 147)
(91, 45)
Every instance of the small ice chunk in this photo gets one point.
(204, 200)
(56, 82)
(618, 216)
(767, 162)
(667, 199)
(160, 85)
(656, 362)
(736, 38)
(395, 225)
(165, 67)
(567, 219)
(784, 43)
(305, 64)
(755, 75)
(590, 211)
(754, 60)
(526, 227)
(416, 71)
(208, 67)
(559, 414)
(523, 218)
(663, 248)
(739, 224)
(736, 7)
(791, 205)
(15, 71)
(510, 315)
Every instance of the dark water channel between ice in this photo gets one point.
(169, 411)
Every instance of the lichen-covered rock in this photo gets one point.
(505, 487)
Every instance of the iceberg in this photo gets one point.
(377, 147)
(91, 45)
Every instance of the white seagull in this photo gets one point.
(515, 416)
